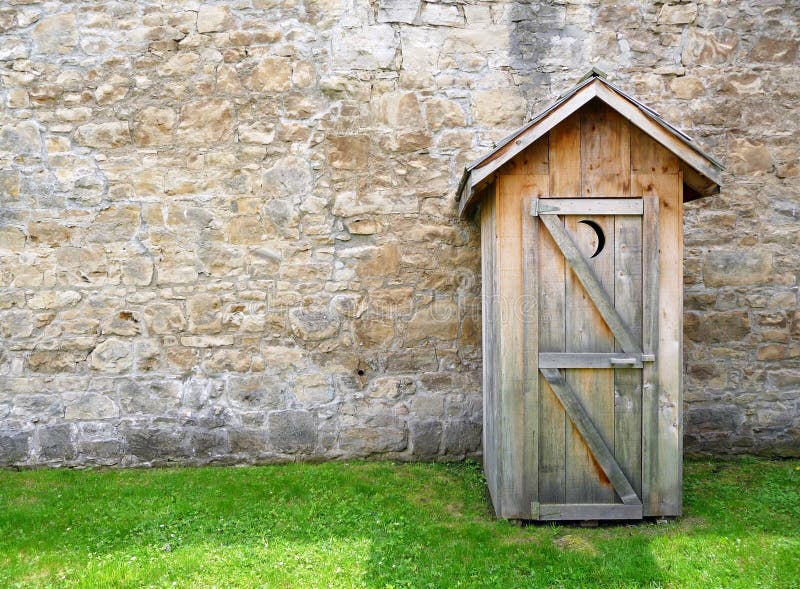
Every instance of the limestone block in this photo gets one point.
(150, 397)
(289, 176)
(109, 93)
(686, 87)
(12, 239)
(14, 447)
(164, 318)
(461, 437)
(56, 443)
(90, 406)
(776, 50)
(212, 19)
(379, 435)
(426, 437)
(438, 321)
(137, 270)
(257, 393)
(373, 331)
(312, 326)
(747, 157)
(205, 313)
(398, 110)
(272, 74)
(207, 341)
(716, 327)
(153, 126)
(292, 432)
(111, 355)
(56, 34)
(498, 108)
(21, 138)
(98, 135)
(206, 122)
(180, 64)
(442, 113)
(16, 323)
(369, 48)
(124, 323)
(348, 152)
(54, 299)
(737, 268)
(677, 14)
(446, 15)
(421, 48)
(398, 11)
(708, 47)
(259, 133)
(116, 223)
(304, 74)
(313, 389)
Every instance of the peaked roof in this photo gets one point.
(701, 171)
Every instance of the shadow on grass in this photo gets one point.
(336, 524)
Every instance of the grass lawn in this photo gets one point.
(379, 525)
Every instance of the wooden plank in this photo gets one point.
(542, 127)
(650, 157)
(552, 420)
(565, 157)
(589, 360)
(589, 206)
(490, 343)
(593, 438)
(650, 346)
(628, 381)
(586, 331)
(591, 284)
(513, 193)
(665, 436)
(531, 160)
(605, 151)
(584, 511)
(530, 329)
(677, 146)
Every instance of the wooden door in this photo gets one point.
(596, 292)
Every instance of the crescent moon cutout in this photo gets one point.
(601, 238)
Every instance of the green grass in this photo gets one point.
(379, 525)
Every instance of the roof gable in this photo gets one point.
(701, 172)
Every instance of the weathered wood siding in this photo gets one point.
(533, 303)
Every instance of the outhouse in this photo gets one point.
(580, 213)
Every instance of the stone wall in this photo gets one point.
(228, 232)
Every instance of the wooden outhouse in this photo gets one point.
(581, 226)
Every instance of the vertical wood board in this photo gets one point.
(605, 151)
(586, 331)
(565, 158)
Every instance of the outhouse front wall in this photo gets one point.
(595, 153)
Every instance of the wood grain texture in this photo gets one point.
(587, 331)
(533, 160)
(514, 193)
(588, 360)
(589, 206)
(593, 438)
(530, 328)
(675, 145)
(663, 465)
(595, 289)
(628, 381)
(552, 318)
(605, 151)
(582, 511)
(565, 158)
(489, 334)
(650, 318)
